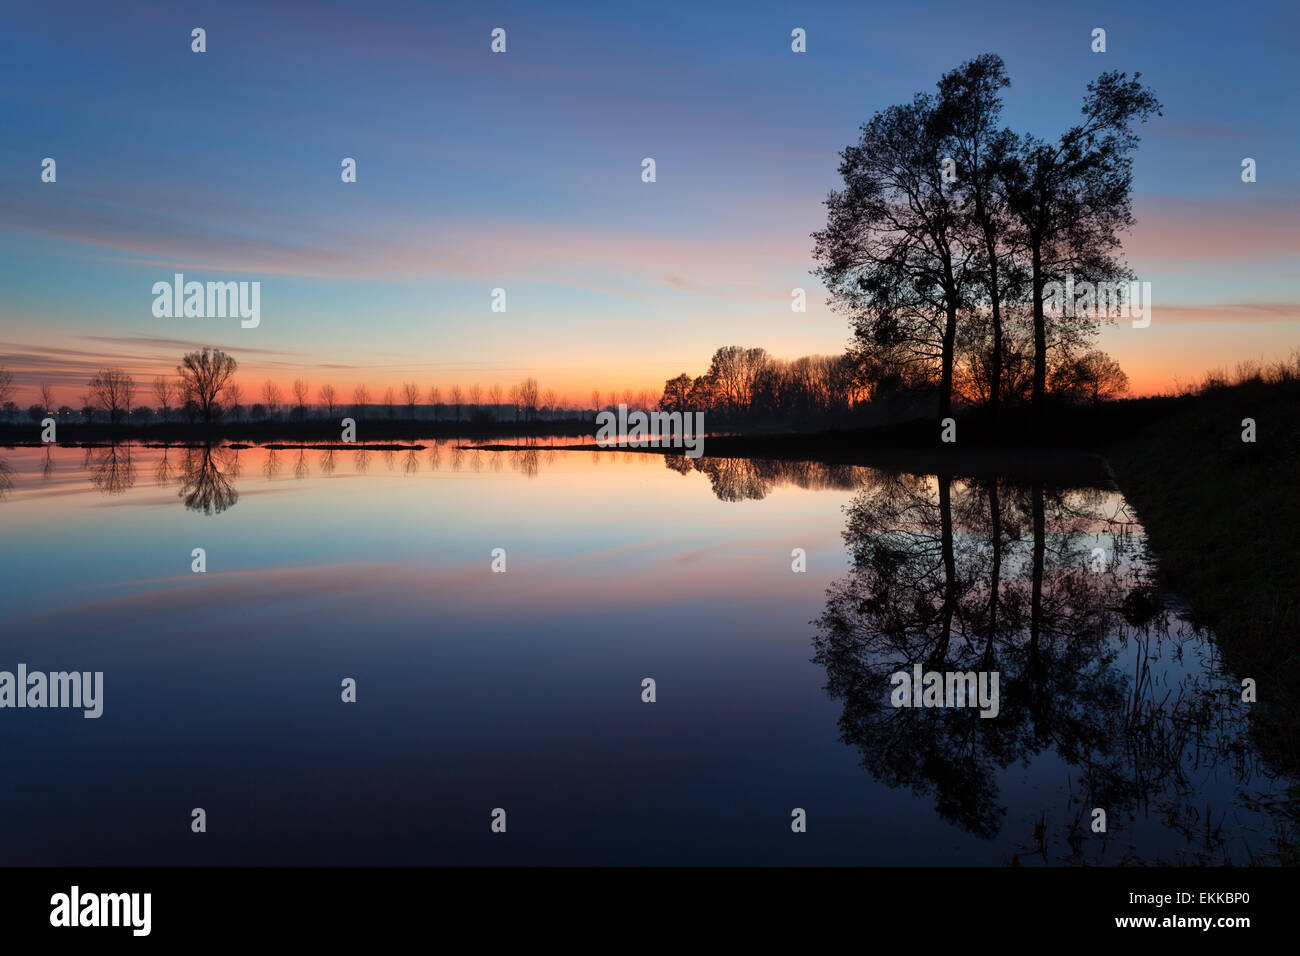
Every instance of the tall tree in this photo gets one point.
(329, 399)
(271, 398)
(411, 395)
(1071, 199)
(204, 373)
(164, 392)
(301, 392)
(970, 103)
(113, 390)
(894, 253)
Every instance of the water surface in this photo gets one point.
(522, 690)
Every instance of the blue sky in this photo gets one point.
(522, 171)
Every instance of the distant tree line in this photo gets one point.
(204, 390)
(746, 382)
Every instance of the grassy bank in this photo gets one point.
(1222, 515)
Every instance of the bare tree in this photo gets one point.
(328, 398)
(47, 397)
(301, 393)
(234, 399)
(113, 390)
(271, 398)
(389, 401)
(6, 385)
(475, 398)
(549, 402)
(457, 399)
(411, 395)
(204, 374)
(360, 399)
(494, 397)
(435, 399)
(164, 392)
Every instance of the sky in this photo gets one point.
(523, 171)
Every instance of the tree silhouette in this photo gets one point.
(204, 374)
(112, 390)
(206, 479)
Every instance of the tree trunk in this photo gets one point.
(1040, 337)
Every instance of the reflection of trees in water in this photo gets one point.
(361, 461)
(411, 462)
(327, 462)
(743, 479)
(206, 479)
(988, 576)
(527, 461)
(164, 469)
(47, 466)
(6, 478)
(271, 464)
(111, 469)
(301, 469)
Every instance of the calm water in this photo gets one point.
(522, 690)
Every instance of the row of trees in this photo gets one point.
(950, 227)
(204, 389)
(743, 381)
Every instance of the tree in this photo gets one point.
(112, 390)
(235, 400)
(47, 396)
(970, 104)
(1070, 200)
(164, 392)
(528, 397)
(1091, 377)
(6, 385)
(892, 253)
(435, 399)
(328, 398)
(360, 399)
(457, 398)
(301, 393)
(677, 392)
(271, 398)
(735, 369)
(411, 395)
(475, 397)
(389, 401)
(204, 374)
(495, 398)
